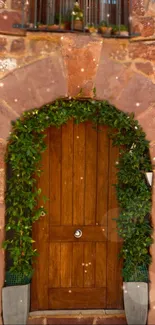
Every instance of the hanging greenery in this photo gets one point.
(26, 144)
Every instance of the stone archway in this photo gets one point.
(59, 68)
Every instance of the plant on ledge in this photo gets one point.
(26, 144)
(77, 16)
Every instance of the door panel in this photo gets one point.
(101, 257)
(55, 145)
(67, 174)
(89, 264)
(114, 297)
(102, 175)
(54, 265)
(89, 233)
(90, 175)
(66, 264)
(40, 284)
(67, 298)
(77, 274)
(79, 173)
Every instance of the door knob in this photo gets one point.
(78, 233)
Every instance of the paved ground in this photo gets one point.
(80, 320)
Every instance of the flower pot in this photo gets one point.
(78, 25)
(122, 33)
(42, 27)
(16, 304)
(93, 31)
(136, 302)
(106, 30)
(53, 27)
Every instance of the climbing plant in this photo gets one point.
(26, 144)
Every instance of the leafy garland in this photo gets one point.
(26, 144)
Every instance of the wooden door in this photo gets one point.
(78, 176)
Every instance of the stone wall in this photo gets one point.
(143, 17)
(37, 68)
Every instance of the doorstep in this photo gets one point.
(80, 317)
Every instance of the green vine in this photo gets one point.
(26, 144)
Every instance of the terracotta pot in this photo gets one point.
(42, 26)
(67, 25)
(56, 27)
(78, 25)
(53, 27)
(93, 30)
(106, 30)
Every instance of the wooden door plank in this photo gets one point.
(102, 175)
(79, 174)
(90, 181)
(114, 281)
(40, 233)
(54, 265)
(101, 276)
(66, 264)
(89, 233)
(78, 265)
(77, 298)
(67, 173)
(89, 264)
(55, 175)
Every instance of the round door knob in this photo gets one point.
(78, 233)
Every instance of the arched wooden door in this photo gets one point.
(78, 176)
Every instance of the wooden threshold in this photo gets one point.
(72, 313)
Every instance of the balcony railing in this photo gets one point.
(112, 18)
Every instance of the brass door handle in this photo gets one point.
(78, 233)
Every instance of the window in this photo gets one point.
(60, 13)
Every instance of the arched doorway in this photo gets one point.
(79, 170)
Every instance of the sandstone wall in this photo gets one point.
(37, 68)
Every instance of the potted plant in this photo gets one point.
(93, 29)
(21, 253)
(135, 228)
(121, 30)
(55, 27)
(63, 22)
(104, 28)
(135, 293)
(41, 26)
(77, 16)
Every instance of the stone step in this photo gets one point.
(80, 320)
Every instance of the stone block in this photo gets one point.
(18, 45)
(146, 26)
(3, 43)
(36, 84)
(147, 121)
(16, 4)
(145, 67)
(138, 8)
(8, 19)
(82, 59)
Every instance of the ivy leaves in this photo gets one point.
(26, 143)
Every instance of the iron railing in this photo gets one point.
(81, 15)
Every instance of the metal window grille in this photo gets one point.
(46, 13)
